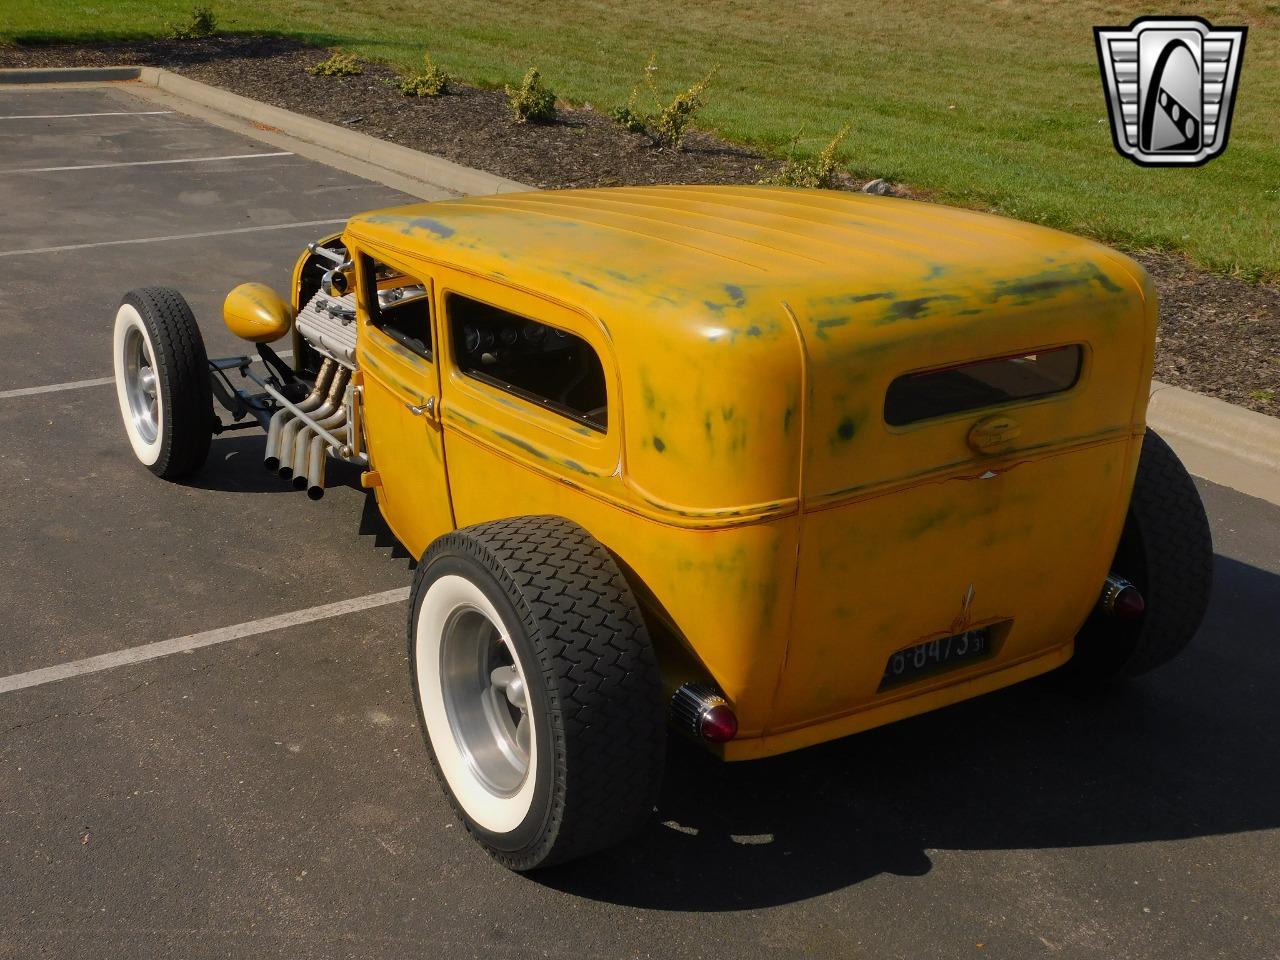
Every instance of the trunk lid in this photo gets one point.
(961, 510)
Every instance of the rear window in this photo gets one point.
(984, 383)
(536, 362)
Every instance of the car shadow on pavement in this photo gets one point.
(235, 465)
(1183, 752)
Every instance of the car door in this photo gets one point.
(401, 400)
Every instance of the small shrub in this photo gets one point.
(203, 22)
(674, 118)
(816, 174)
(629, 118)
(663, 124)
(338, 65)
(533, 102)
(430, 81)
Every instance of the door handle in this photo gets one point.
(429, 408)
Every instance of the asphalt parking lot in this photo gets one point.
(269, 795)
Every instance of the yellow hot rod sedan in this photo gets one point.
(768, 466)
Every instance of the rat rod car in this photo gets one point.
(774, 466)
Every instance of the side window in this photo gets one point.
(401, 307)
(539, 363)
(982, 383)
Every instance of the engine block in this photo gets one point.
(328, 324)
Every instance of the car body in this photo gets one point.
(789, 538)
(825, 435)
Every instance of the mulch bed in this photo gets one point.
(1218, 335)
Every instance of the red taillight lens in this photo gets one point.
(719, 724)
(1121, 599)
(1128, 604)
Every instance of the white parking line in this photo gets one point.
(147, 163)
(54, 388)
(64, 116)
(164, 648)
(99, 382)
(176, 236)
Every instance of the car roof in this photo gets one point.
(706, 246)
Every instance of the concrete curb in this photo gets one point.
(359, 146)
(1219, 441)
(68, 74)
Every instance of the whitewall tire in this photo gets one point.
(162, 381)
(537, 689)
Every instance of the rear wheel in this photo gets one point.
(1166, 551)
(162, 381)
(537, 689)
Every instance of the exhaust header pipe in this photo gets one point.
(271, 457)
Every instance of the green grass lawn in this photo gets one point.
(992, 104)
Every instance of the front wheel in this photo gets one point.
(537, 689)
(162, 381)
(1166, 551)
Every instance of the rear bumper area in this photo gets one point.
(908, 704)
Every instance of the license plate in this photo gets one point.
(935, 656)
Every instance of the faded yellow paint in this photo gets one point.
(782, 534)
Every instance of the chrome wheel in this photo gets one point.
(140, 388)
(485, 700)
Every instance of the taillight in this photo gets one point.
(700, 711)
(1121, 599)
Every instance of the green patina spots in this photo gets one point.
(441, 230)
(1106, 282)
(843, 299)
(927, 521)
(737, 300)
(1050, 283)
(787, 414)
(826, 324)
(910, 309)
(846, 429)
(523, 445)
(658, 444)
(408, 225)
(727, 413)
(754, 331)
(541, 454)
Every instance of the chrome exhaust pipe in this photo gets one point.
(315, 468)
(312, 451)
(287, 453)
(317, 460)
(271, 457)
